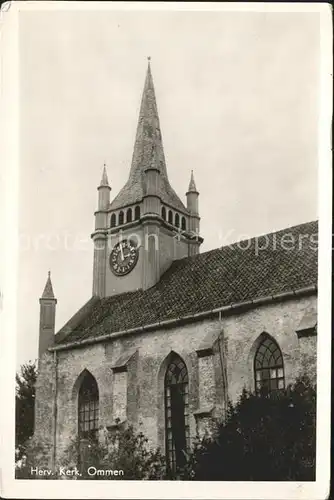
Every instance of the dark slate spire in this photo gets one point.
(148, 138)
(48, 290)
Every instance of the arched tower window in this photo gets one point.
(176, 414)
(113, 220)
(177, 220)
(163, 213)
(170, 217)
(88, 407)
(183, 223)
(129, 215)
(268, 366)
(121, 217)
(137, 212)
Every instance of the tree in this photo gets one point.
(264, 438)
(25, 405)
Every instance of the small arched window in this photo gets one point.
(88, 407)
(163, 213)
(183, 223)
(177, 220)
(170, 217)
(113, 220)
(268, 366)
(176, 414)
(121, 217)
(129, 215)
(137, 212)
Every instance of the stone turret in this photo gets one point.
(47, 317)
(99, 236)
(194, 218)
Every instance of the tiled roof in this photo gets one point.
(148, 138)
(263, 266)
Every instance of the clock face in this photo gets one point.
(123, 257)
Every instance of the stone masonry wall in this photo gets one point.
(280, 320)
(146, 369)
(45, 405)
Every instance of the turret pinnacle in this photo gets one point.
(192, 185)
(48, 290)
(104, 180)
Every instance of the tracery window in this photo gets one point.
(268, 366)
(88, 407)
(176, 414)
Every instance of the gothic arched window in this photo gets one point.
(88, 407)
(183, 223)
(113, 220)
(176, 414)
(129, 215)
(170, 217)
(163, 213)
(137, 213)
(268, 366)
(121, 218)
(177, 220)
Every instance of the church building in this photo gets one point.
(171, 334)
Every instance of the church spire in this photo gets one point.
(48, 290)
(148, 139)
(148, 134)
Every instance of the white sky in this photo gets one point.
(237, 96)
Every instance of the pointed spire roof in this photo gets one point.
(148, 140)
(48, 290)
(104, 180)
(192, 185)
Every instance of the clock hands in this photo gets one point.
(122, 254)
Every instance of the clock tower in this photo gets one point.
(146, 226)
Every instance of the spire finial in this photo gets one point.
(49, 274)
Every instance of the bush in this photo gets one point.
(264, 438)
(121, 450)
(34, 454)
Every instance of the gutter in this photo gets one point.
(237, 306)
